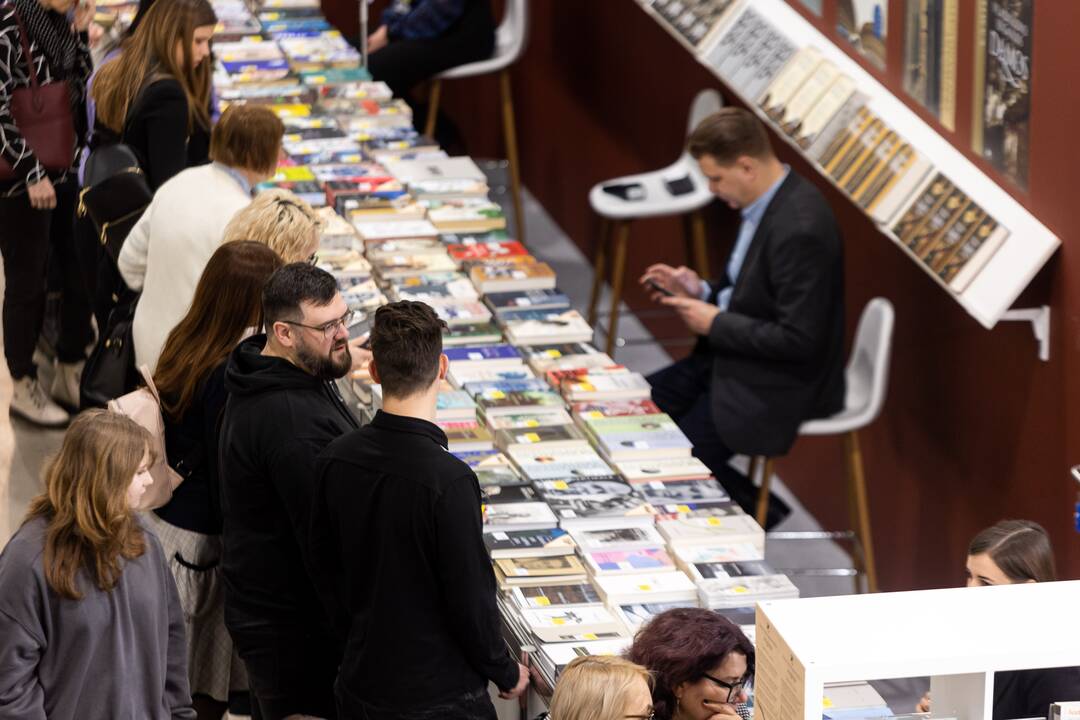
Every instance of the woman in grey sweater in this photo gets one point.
(90, 623)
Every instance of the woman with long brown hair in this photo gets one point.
(190, 377)
(90, 623)
(155, 95)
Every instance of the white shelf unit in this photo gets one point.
(1030, 243)
(959, 636)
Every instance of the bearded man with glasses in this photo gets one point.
(283, 409)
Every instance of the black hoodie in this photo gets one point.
(277, 419)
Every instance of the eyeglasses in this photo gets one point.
(733, 688)
(650, 716)
(328, 329)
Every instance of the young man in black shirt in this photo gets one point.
(283, 408)
(396, 537)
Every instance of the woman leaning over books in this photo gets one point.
(90, 622)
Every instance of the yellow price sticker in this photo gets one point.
(532, 437)
(316, 79)
(682, 508)
(714, 522)
(532, 423)
(560, 485)
(585, 387)
(741, 589)
(644, 588)
(542, 601)
(558, 621)
(553, 353)
(595, 415)
(497, 395)
(590, 636)
(826, 702)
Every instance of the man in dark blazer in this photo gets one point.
(771, 348)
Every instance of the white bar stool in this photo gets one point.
(654, 200)
(510, 39)
(867, 377)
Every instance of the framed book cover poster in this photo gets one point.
(930, 49)
(813, 6)
(864, 24)
(1002, 115)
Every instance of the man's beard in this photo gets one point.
(325, 367)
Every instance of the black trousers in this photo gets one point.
(289, 674)
(474, 705)
(27, 237)
(402, 64)
(682, 390)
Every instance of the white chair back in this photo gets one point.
(513, 32)
(705, 104)
(867, 371)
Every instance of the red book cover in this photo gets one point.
(617, 408)
(486, 250)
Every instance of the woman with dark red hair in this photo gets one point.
(701, 661)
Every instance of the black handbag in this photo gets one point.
(115, 194)
(110, 370)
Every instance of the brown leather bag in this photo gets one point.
(42, 112)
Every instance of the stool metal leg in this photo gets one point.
(510, 135)
(862, 503)
(618, 269)
(701, 252)
(433, 107)
(763, 493)
(598, 268)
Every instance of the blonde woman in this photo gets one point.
(90, 622)
(277, 218)
(602, 688)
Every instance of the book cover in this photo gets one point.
(518, 516)
(964, 265)
(788, 81)
(493, 277)
(541, 596)
(692, 19)
(540, 417)
(682, 492)
(650, 560)
(679, 468)
(864, 24)
(537, 463)
(629, 537)
(533, 567)
(486, 251)
(525, 543)
(482, 353)
(542, 299)
(814, 122)
(538, 435)
(600, 409)
(585, 622)
(596, 497)
(807, 97)
(494, 402)
(646, 588)
(930, 56)
(1002, 122)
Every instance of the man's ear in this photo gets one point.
(282, 333)
(373, 370)
(444, 366)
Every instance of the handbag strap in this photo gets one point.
(28, 56)
(148, 378)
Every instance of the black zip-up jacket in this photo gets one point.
(277, 419)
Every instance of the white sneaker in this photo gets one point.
(65, 384)
(30, 402)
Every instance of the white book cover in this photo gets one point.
(646, 588)
(687, 555)
(541, 417)
(542, 464)
(371, 231)
(518, 516)
(451, 168)
(628, 537)
(560, 655)
(585, 622)
(712, 530)
(634, 615)
(638, 471)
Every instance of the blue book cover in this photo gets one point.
(481, 352)
(505, 386)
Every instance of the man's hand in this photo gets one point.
(360, 356)
(377, 40)
(698, 315)
(519, 689)
(42, 195)
(84, 14)
(681, 281)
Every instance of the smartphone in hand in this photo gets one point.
(658, 288)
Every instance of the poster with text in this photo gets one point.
(1003, 86)
(864, 24)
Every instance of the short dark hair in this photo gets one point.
(247, 137)
(291, 285)
(406, 342)
(682, 645)
(1021, 548)
(729, 134)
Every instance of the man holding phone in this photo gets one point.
(770, 353)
